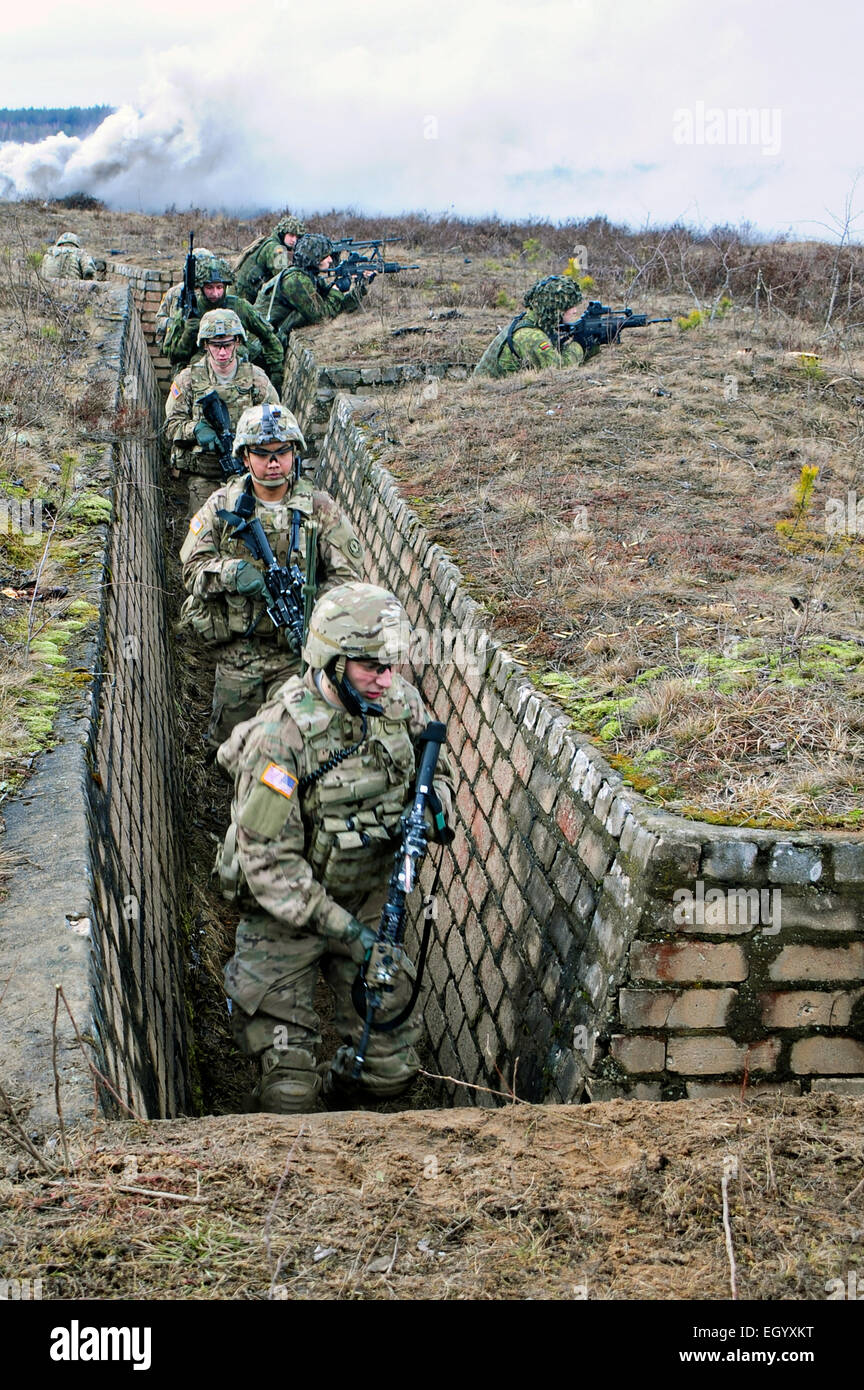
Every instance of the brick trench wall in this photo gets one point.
(134, 799)
(562, 953)
(148, 287)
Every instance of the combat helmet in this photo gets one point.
(67, 239)
(358, 622)
(311, 250)
(267, 424)
(549, 299)
(212, 270)
(220, 323)
(289, 226)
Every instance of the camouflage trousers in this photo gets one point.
(247, 674)
(272, 978)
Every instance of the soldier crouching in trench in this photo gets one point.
(323, 775)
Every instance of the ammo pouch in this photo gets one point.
(207, 619)
(348, 851)
(232, 881)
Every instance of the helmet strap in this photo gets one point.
(354, 702)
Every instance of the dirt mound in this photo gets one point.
(616, 1201)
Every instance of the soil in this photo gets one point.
(622, 1200)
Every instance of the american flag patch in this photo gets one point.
(196, 523)
(175, 389)
(278, 779)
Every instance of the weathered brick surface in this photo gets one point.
(637, 1053)
(697, 1056)
(692, 961)
(569, 872)
(829, 1056)
(809, 1008)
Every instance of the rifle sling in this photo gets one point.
(358, 997)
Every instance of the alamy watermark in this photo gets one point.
(844, 516)
(852, 1290)
(712, 125)
(20, 1290)
(728, 907)
(21, 517)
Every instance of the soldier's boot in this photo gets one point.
(382, 1077)
(290, 1084)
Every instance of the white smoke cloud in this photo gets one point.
(557, 108)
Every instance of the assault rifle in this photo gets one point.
(289, 593)
(188, 298)
(349, 244)
(354, 267)
(215, 412)
(376, 977)
(600, 325)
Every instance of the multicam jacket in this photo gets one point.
(248, 386)
(306, 846)
(69, 261)
(298, 298)
(523, 344)
(211, 557)
(262, 345)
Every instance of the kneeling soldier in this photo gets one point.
(323, 776)
(228, 596)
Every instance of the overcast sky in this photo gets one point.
(560, 108)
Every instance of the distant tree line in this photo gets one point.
(31, 123)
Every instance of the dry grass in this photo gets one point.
(616, 1201)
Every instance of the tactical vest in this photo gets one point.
(287, 528)
(352, 811)
(238, 394)
(64, 261)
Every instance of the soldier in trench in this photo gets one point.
(227, 593)
(323, 774)
(240, 385)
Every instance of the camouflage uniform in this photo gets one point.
(248, 386)
(250, 668)
(262, 345)
(266, 257)
(65, 258)
(316, 845)
(170, 302)
(298, 297)
(531, 340)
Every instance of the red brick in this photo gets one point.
(830, 1056)
(481, 833)
(522, 758)
(465, 803)
(503, 776)
(484, 792)
(795, 1008)
(514, 904)
(501, 824)
(638, 1052)
(486, 745)
(693, 960)
(569, 820)
(714, 1056)
(819, 963)
(497, 869)
(477, 885)
(469, 761)
(471, 717)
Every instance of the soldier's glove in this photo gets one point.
(206, 435)
(343, 282)
(359, 939)
(248, 580)
(435, 822)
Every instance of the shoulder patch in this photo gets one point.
(196, 524)
(175, 389)
(279, 779)
(544, 347)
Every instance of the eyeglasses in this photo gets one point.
(278, 453)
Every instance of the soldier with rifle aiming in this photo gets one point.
(240, 385)
(302, 295)
(212, 276)
(533, 339)
(324, 776)
(251, 611)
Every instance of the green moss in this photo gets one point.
(91, 508)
